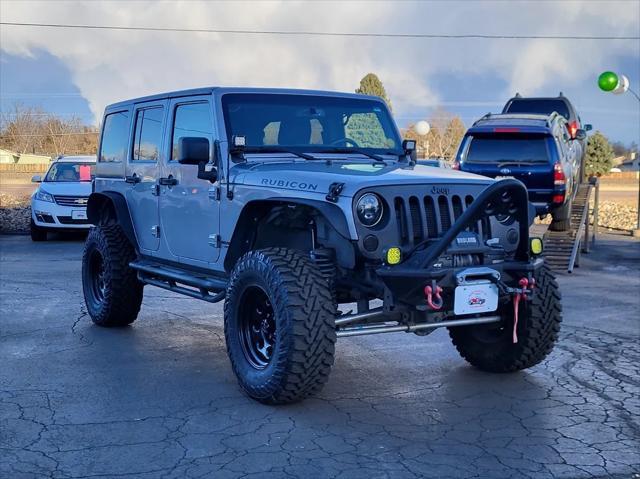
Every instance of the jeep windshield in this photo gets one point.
(70, 172)
(507, 149)
(276, 123)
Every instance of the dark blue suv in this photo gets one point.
(535, 149)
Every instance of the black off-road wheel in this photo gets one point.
(279, 325)
(112, 292)
(37, 233)
(490, 346)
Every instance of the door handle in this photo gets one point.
(168, 181)
(132, 179)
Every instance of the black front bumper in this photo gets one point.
(424, 265)
(406, 285)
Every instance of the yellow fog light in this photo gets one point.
(535, 246)
(394, 255)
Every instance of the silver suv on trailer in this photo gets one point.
(288, 203)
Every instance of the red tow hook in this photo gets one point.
(429, 296)
(520, 294)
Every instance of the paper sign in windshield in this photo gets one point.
(85, 173)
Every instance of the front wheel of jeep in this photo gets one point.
(490, 346)
(112, 291)
(279, 325)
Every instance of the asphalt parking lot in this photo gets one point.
(158, 399)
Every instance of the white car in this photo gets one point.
(60, 202)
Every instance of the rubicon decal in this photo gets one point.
(296, 185)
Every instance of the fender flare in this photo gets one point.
(118, 205)
(331, 212)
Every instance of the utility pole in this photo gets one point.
(619, 84)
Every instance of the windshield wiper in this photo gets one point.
(373, 156)
(277, 149)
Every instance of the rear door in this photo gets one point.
(142, 172)
(528, 157)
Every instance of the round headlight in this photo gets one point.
(369, 209)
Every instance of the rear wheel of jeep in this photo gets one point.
(490, 347)
(279, 325)
(37, 233)
(112, 292)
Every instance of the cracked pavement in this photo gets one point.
(159, 400)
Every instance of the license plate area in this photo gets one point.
(79, 214)
(475, 297)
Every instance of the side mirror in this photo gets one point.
(581, 134)
(193, 150)
(207, 171)
(36, 179)
(588, 127)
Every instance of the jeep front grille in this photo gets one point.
(77, 201)
(419, 218)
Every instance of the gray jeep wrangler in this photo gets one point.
(287, 204)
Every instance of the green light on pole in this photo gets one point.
(608, 81)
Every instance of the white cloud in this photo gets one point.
(111, 65)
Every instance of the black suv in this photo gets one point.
(535, 149)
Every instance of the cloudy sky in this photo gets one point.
(80, 71)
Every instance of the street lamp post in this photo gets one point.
(618, 84)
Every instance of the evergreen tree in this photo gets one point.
(599, 155)
(371, 85)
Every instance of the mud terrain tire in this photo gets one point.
(561, 218)
(279, 325)
(112, 292)
(490, 348)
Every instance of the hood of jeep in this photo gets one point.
(317, 176)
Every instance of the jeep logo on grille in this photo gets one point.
(439, 190)
(81, 201)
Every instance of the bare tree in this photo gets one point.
(443, 138)
(32, 130)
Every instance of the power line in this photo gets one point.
(322, 34)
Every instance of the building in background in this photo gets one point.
(13, 158)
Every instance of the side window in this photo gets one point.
(191, 120)
(115, 136)
(148, 134)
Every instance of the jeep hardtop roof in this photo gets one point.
(526, 123)
(222, 90)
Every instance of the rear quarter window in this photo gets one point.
(115, 136)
